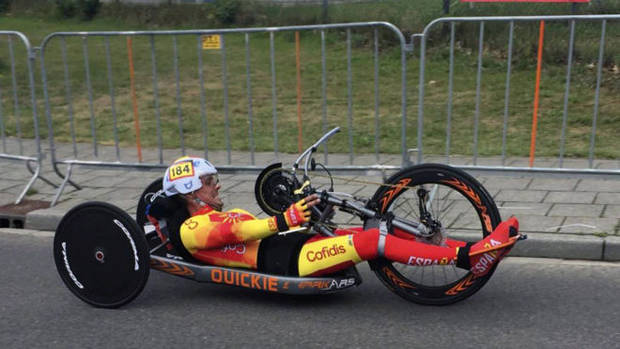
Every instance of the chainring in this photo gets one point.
(274, 189)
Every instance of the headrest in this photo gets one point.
(163, 207)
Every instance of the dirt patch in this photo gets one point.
(24, 207)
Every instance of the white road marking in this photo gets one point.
(572, 225)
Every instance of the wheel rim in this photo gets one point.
(436, 284)
(455, 214)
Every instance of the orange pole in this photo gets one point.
(136, 120)
(297, 61)
(541, 36)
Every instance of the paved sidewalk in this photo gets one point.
(563, 217)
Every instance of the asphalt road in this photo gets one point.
(529, 303)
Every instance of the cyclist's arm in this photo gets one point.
(223, 228)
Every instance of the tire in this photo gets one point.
(460, 203)
(101, 255)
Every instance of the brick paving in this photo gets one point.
(543, 204)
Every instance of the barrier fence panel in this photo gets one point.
(567, 64)
(141, 99)
(19, 133)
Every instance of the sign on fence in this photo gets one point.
(211, 42)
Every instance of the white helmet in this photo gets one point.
(183, 176)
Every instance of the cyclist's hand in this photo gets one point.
(312, 200)
(298, 213)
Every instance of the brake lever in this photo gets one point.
(301, 189)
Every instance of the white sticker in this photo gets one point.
(133, 245)
(71, 275)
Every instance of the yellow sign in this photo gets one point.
(181, 170)
(211, 42)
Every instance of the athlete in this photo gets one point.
(200, 230)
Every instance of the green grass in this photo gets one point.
(405, 16)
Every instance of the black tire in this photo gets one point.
(468, 206)
(101, 255)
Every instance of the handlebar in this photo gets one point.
(308, 152)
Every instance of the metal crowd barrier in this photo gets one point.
(62, 114)
(13, 142)
(102, 138)
(559, 165)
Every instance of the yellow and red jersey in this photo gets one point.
(229, 238)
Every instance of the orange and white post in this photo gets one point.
(541, 36)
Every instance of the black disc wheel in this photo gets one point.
(145, 199)
(450, 203)
(101, 254)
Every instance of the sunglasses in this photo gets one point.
(211, 179)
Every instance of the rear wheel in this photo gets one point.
(450, 202)
(101, 254)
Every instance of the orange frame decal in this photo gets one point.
(171, 268)
(395, 279)
(387, 197)
(461, 286)
(475, 198)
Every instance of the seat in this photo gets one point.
(167, 214)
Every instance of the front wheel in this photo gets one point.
(450, 202)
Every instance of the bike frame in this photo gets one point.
(351, 206)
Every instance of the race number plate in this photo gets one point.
(181, 170)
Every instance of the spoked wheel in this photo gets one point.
(450, 202)
(145, 199)
(101, 254)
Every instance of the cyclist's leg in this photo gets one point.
(407, 236)
(324, 255)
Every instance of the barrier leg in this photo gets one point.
(29, 166)
(30, 183)
(54, 165)
(62, 185)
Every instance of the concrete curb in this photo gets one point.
(612, 248)
(44, 219)
(537, 245)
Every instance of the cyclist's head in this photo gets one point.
(188, 174)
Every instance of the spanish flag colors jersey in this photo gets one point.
(228, 238)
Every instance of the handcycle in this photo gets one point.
(104, 256)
